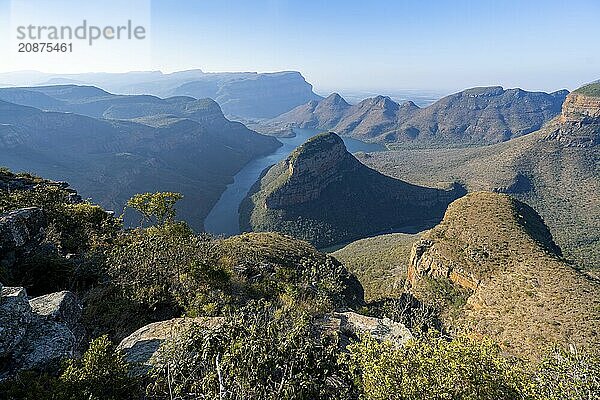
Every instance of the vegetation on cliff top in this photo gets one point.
(521, 290)
(592, 90)
(271, 289)
(323, 195)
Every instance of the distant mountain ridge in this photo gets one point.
(97, 103)
(324, 195)
(555, 170)
(196, 153)
(474, 116)
(240, 94)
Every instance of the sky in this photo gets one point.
(342, 45)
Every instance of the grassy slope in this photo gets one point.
(379, 263)
(564, 182)
(528, 297)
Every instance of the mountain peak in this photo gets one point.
(309, 169)
(319, 153)
(324, 195)
(409, 104)
(334, 99)
(383, 102)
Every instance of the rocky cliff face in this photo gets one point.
(253, 95)
(310, 169)
(425, 260)
(579, 122)
(579, 108)
(498, 253)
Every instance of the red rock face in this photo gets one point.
(579, 122)
(426, 260)
(580, 108)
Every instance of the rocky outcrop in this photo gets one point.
(310, 169)
(347, 325)
(579, 122)
(63, 308)
(491, 267)
(426, 261)
(10, 182)
(21, 232)
(580, 109)
(37, 334)
(140, 348)
(15, 316)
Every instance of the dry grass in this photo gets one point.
(379, 263)
(561, 183)
(528, 297)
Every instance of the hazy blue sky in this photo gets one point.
(387, 44)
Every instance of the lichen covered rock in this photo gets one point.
(142, 345)
(37, 334)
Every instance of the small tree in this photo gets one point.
(101, 374)
(159, 206)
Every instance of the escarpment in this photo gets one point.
(580, 108)
(579, 122)
(499, 255)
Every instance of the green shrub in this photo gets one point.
(83, 230)
(167, 266)
(101, 374)
(76, 227)
(156, 207)
(259, 353)
(433, 367)
(568, 375)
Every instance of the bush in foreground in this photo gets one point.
(260, 353)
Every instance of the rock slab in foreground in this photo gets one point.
(141, 347)
(37, 334)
